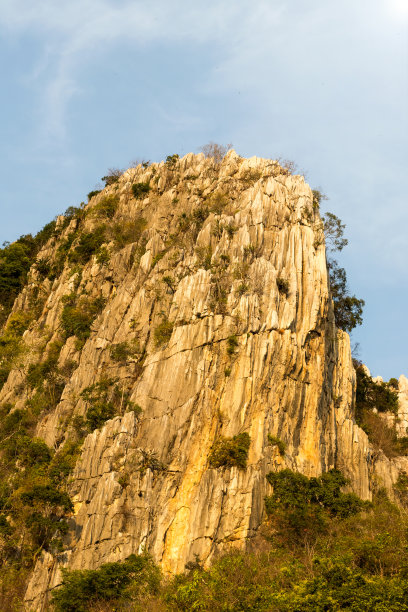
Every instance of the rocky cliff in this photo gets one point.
(211, 316)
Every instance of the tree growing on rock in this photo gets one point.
(348, 309)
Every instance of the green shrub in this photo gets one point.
(88, 245)
(348, 310)
(393, 382)
(371, 394)
(281, 446)
(149, 461)
(46, 506)
(63, 462)
(301, 506)
(47, 494)
(104, 401)
(43, 267)
(11, 343)
(110, 583)
(78, 315)
(283, 286)
(112, 177)
(36, 452)
(124, 480)
(103, 256)
(128, 232)
(242, 289)
(140, 190)
(107, 207)
(123, 350)
(72, 212)
(230, 451)
(158, 257)
(232, 343)
(204, 257)
(98, 414)
(94, 193)
(132, 407)
(171, 160)
(170, 282)
(163, 331)
(15, 261)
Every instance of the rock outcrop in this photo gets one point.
(224, 294)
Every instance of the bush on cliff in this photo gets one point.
(163, 331)
(78, 315)
(140, 190)
(89, 243)
(230, 452)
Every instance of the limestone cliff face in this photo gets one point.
(230, 251)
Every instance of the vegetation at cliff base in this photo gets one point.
(353, 558)
(83, 590)
(302, 507)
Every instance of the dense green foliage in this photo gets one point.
(280, 444)
(357, 561)
(111, 582)
(11, 344)
(372, 399)
(163, 331)
(140, 190)
(93, 193)
(15, 261)
(348, 309)
(106, 207)
(104, 400)
(34, 504)
(371, 394)
(229, 452)
(123, 351)
(78, 315)
(88, 244)
(171, 160)
(302, 506)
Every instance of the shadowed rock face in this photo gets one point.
(246, 261)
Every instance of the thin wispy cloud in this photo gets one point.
(75, 33)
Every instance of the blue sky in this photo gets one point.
(93, 84)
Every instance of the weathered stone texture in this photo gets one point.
(290, 375)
